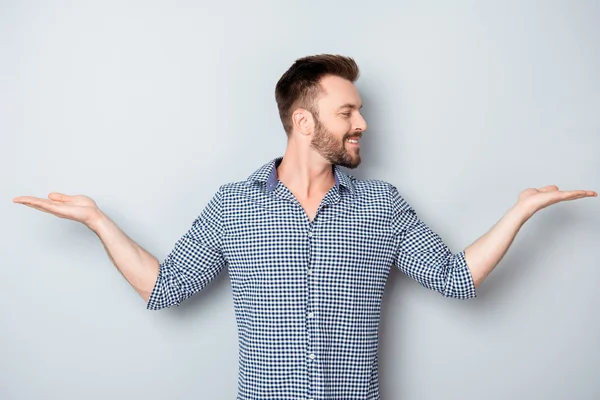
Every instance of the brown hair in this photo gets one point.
(299, 86)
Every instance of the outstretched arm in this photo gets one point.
(423, 255)
(486, 252)
(194, 261)
(139, 267)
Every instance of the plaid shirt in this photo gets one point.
(307, 295)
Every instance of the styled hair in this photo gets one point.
(300, 85)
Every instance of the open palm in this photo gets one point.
(536, 199)
(77, 208)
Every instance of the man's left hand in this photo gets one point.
(532, 200)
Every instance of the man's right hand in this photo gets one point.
(137, 265)
(78, 208)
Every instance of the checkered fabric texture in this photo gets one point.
(307, 294)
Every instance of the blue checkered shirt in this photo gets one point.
(307, 295)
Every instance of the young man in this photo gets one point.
(308, 247)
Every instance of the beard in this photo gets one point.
(330, 147)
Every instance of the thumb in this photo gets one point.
(549, 188)
(59, 197)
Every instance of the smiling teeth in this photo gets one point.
(352, 140)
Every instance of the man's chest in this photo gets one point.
(266, 241)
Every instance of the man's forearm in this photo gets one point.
(486, 252)
(139, 267)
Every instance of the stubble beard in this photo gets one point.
(328, 146)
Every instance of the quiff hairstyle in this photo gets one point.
(300, 85)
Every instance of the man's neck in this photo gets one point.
(306, 176)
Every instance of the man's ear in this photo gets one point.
(302, 121)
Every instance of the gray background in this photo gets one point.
(149, 106)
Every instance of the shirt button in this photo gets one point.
(309, 271)
(310, 315)
(309, 233)
(312, 356)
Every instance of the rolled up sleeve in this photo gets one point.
(195, 260)
(422, 254)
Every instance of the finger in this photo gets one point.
(43, 204)
(24, 199)
(549, 188)
(578, 194)
(40, 209)
(587, 193)
(60, 197)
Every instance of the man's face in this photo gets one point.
(339, 124)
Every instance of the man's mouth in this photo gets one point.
(353, 140)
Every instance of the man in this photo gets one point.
(308, 247)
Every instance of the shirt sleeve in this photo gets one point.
(195, 260)
(422, 255)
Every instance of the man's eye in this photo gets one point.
(346, 114)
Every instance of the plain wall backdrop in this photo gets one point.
(149, 106)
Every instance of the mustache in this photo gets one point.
(353, 134)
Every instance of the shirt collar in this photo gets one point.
(268, 174)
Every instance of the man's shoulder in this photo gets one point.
(249, 187)
(235, 187)
(371, 183)
(370, 186)
(379, 191)
(254, 177)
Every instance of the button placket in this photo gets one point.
(310, 305)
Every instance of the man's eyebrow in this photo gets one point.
(350, 105)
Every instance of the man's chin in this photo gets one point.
(351, 162)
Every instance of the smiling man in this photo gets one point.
(308, 247)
